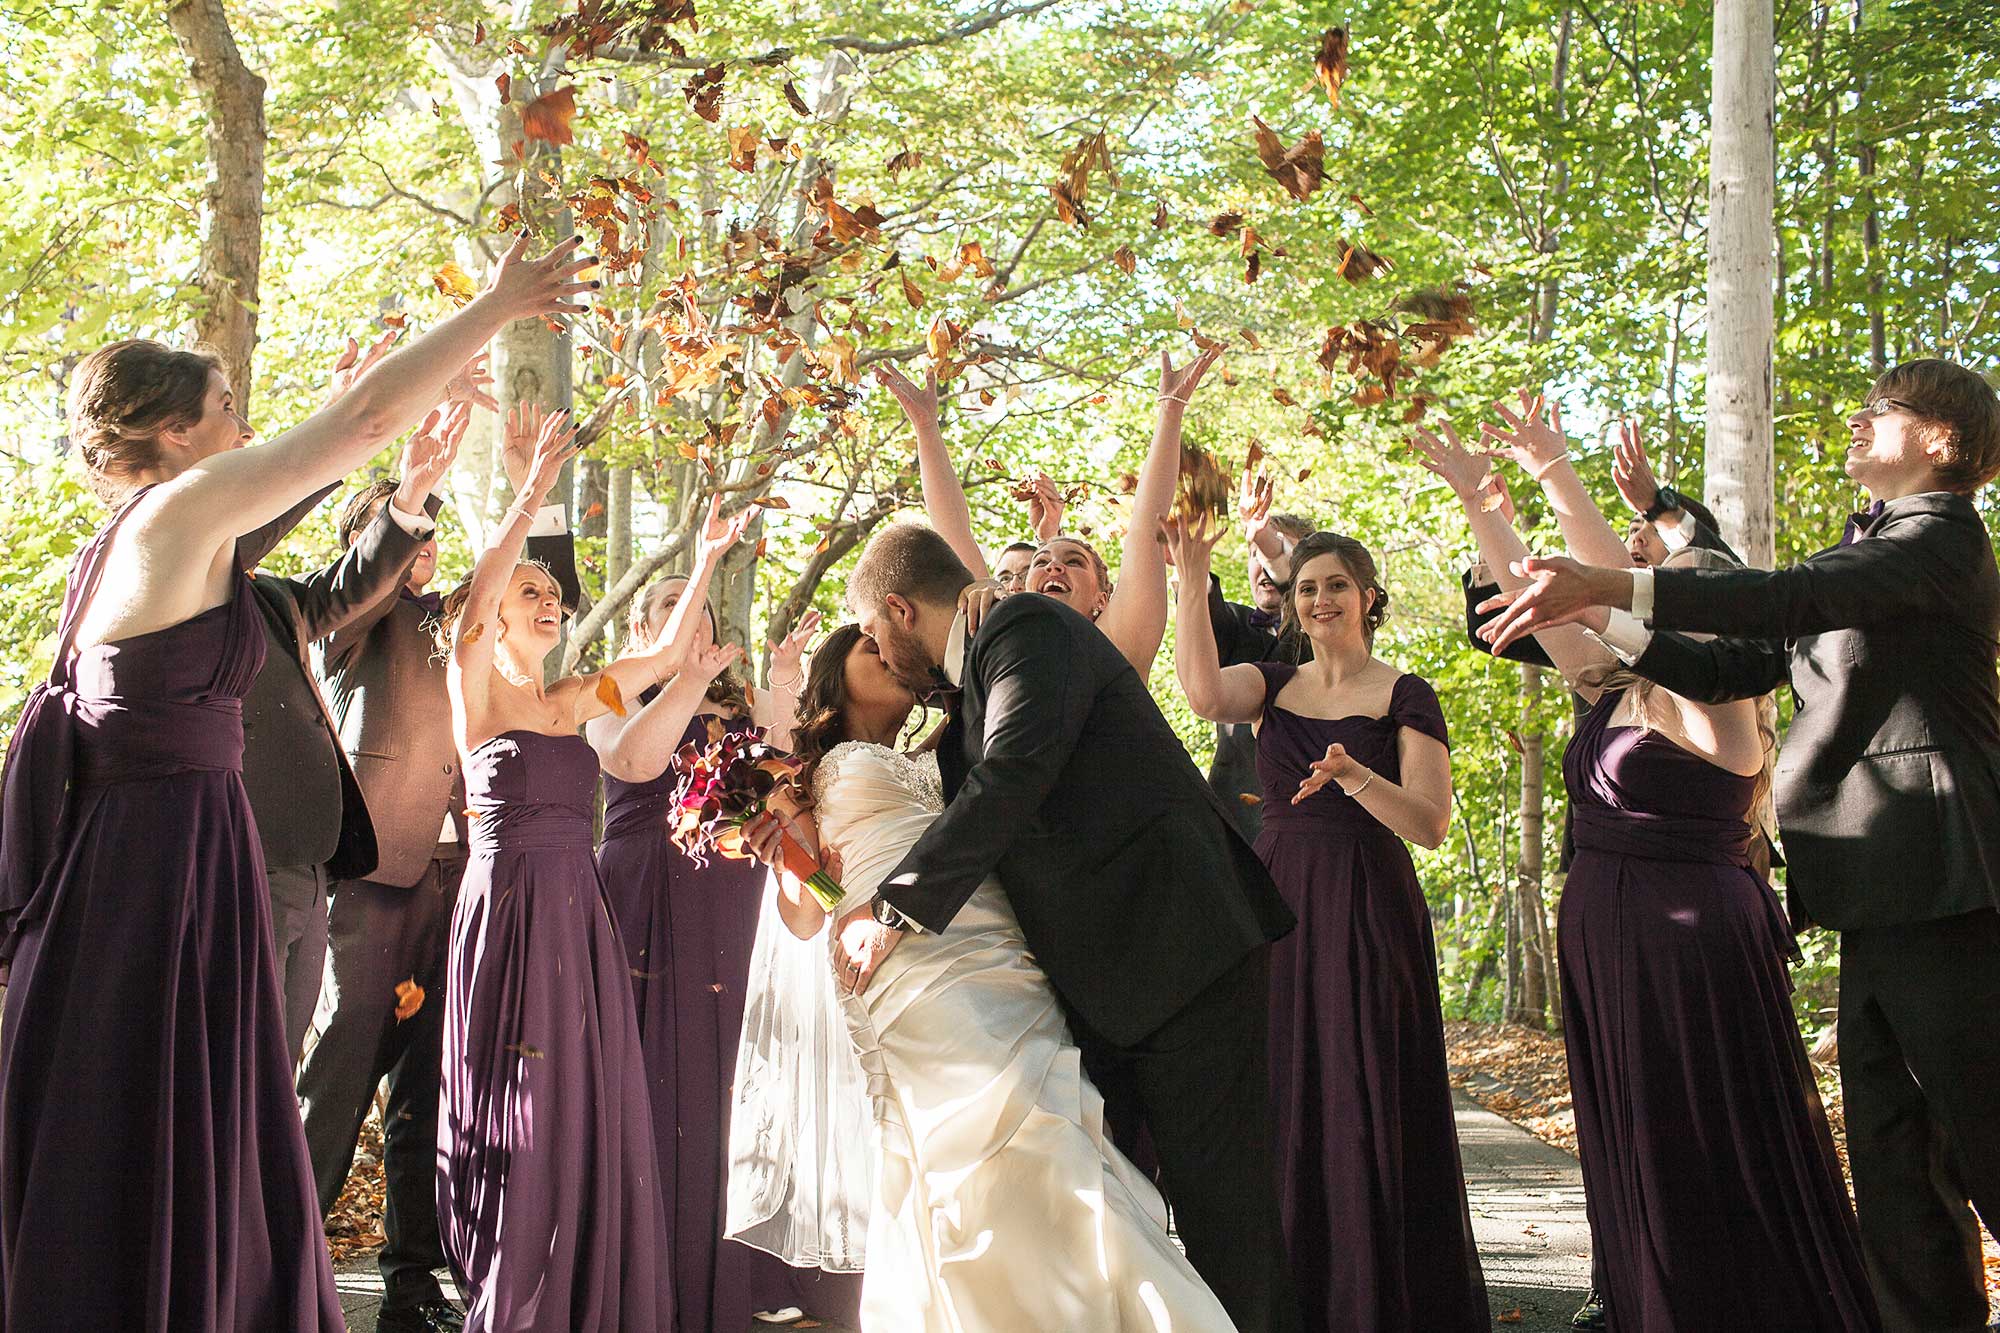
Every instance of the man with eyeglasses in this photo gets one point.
(1888, 792)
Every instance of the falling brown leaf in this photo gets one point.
(409, 999)
(1224, 224)
(505, 83)
(1252, 457)
(1092, 152)
(1304, 474)
(1355, 198)
(1203, 493)
(455, 283)
(1330, 68)
(1249, 798)
(973, 256)
(769, 502)
(911, 293)
(547, 117)
(941, 337)
(794, 101)
(1128, 482)
(1300, 168)
(395, 319)
(1160, 214)
(1283, 399)
(609, 694)
(1253, 267)
(703, 91)
(1126, 261)
(1358, 263)
(906, 160)
(743, 147)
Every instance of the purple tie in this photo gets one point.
(1861, 524)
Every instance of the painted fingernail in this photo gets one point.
(595, 284)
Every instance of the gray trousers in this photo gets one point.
(384, 934)
(298, 920)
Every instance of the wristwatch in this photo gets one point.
(1665, 500)
(885, 915)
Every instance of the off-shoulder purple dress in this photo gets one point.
(1714, 1195)
(1370, 1187)
(688, 932)
(549, 1188)
(153, 1171)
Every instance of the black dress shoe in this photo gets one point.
(438, 1316)
(1590, 1315)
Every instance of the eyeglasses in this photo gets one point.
(1880, 407)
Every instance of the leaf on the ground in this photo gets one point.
(1512, 1316)
(609, 694)
(1330, 67)
(409, 999)
(1300, 168)
(455, 283)
(548, 117)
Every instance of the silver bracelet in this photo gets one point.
(1171, 398)
(793, 683)
(1350, 795)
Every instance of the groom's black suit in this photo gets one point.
(1148, 912)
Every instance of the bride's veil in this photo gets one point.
(801, 1137)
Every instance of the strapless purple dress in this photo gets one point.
(549, 1188)
(688, 932)
(1370, 1186)
(1714, 1196)
(153, 1171)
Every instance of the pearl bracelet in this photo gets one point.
(1350, 795)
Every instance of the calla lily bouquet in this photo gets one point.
(725, 785)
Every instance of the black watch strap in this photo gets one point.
(1665, 500)
(886, 915)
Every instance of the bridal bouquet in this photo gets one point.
(723, 787)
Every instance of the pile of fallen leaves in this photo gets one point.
(355, 1224)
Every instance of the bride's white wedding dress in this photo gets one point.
(1000, 1205)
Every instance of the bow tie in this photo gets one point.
(942, 693)
(1262, 619)
(1861, 524)
(431, 602)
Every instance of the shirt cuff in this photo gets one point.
(1673, 529)
(1642, 595)
(417, 525)
(550, 521)
(1625, 636)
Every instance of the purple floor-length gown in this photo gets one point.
(688, 931)
(1370, 1187)
(1715, 1198)
(548, 1189)
(153, 1171)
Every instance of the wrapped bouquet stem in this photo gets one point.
(723, 787)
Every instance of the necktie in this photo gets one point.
(431, 602)
(1861, 524)
(1262, 619)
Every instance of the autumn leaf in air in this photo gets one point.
(743, 147)
(548, 117)
(472, 635)
(1300, 168)
(1358, 263)
(911, 293)
(794, 101)
(455, 283)
(704, 92)
(1331, 66)
(409, 999)
(907, 160)
(769, 502)
(505, 83)
(1224, 224)
(610, 695)
(1126, 261)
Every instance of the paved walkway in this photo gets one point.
(1527, 1211)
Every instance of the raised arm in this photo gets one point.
(1500, 546)
(776, 708)
(1135, 617)
(944, 497)
(1535, 440)
(639, 746)
(1272, 548)
(240, 489)
(1215, 692)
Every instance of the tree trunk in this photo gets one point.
(1741, 197)
(1871, 217)
(233, 200)
(617, 548)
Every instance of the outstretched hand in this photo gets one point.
(428, 456)
(1045, 507)
(525, 287)
(719, 533)
(1631, 470)
(1440, 452)
(555, 445)
(1536, 441)
(1178, 386)
(1336, 766)
(920, 405)
(353, 363)
(1191, 547)
(471, 384)
(787, 652)
(1559, 592)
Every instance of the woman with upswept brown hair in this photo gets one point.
(148, 1127)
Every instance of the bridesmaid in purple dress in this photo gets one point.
(1371, 1189)
(549, 1190)
(1715, 1198)
(153, 1171)
(688, 931)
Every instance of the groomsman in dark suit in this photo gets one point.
(1888, 791)
(383, 1011)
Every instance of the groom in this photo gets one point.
(1148, 913)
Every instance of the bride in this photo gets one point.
(998, 1201)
